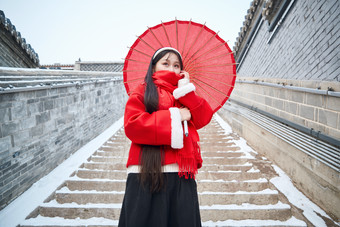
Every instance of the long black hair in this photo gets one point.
(151, 158)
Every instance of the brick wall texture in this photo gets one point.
(12, 54)
(41, 128)
(303, 53)
(305, 47)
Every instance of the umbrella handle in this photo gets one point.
(186, 132)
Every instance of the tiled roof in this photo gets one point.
(267, 8)
(101, 66)
(246, 24)
(6, 23)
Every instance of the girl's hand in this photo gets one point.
(185, 114)
(184, 74)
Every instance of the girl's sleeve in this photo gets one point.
(201, 112)
(162, 127)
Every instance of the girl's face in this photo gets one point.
(169, 62)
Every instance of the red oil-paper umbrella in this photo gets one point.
(206, 57)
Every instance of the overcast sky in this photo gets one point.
(62, 31)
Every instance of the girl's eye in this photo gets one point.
(165, 63)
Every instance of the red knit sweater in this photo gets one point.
(164, 127)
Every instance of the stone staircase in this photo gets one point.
(233, 187)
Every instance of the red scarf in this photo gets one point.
(187, 156)
(166, 80)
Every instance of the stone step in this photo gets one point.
(119, 140)
(206, 153)
(110, 153)
(99, 185)
(112, 160)
(85, 197)
(211, 141)
(232, 186)
(104, 166)
(264, 197)
(102, 174)
(228, 175)
(213, 133)
(116, 151)
(202, 185)
(73, 211)
(220, 148)
(226, 161)
(206, 197)
(207, 139)
(216, 143)
(213, 167)
(114, 146)
(217, 212)
(226, 149)
(292, 222)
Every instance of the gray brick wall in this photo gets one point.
(303, 53)
(11, 53)
(305, 47)
(41, 128)
(317, 111)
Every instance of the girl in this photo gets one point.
(162, 163)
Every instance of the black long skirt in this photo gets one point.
(174, 206)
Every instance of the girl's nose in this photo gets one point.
(172, 69)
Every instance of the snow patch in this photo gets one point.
(56, 221)
(246, 206)
(290, 222)
(241, 142)
(266, 191)
(54, 203)
(297, 198)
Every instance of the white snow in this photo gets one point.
(242, 143)
(252, 170)
(16, 212)
(246, 206)
(67, 190)
(54, 221)
(76, 178)
(223, 171)
(265, 191)
(290, 222)
(310, 209)
(54, 203)
(260, 180)
(226, 127)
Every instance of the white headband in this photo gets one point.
(166, 48)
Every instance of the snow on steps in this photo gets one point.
(104, 222)
(232, 191)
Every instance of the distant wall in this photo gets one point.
(40, 127)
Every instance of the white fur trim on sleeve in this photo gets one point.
(176, 128)
(183, 82)
(182, 91)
